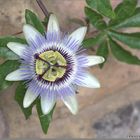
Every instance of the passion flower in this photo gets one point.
(53, 65)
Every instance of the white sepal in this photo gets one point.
(79, 34)
(15, 76)
(88, 80)
(30, 33)
(17, 48)
(71, 103)
(29, 98)
(47, 103)
(53, 25)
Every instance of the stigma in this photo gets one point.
(50, 65)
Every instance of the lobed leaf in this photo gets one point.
(19, 96)
(122, 54)
(90, 42)
(45, 22)
(92, 3)
(44, 119)
(130, 39)
(103, 7)
(103, 51)
(123, 11)
(6, 53)
(32, 19)
(5, 69)
(137, 11)
(6, 39)
(95, 18)
(133, 21)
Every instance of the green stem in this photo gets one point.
(43, 7)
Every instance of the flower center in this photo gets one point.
(50, 65)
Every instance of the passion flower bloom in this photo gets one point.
(53, 65)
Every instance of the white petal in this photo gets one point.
(94, 60)
(29, 98)
(79, 34)
(30, 33)
(71, 103)
(16, 47)
(47, 103)
(88, 80)
(53, 24)
(14, 76)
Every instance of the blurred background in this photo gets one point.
(111, 111)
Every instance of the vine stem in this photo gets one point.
(44, 10)
(43, 7)
(20, 32)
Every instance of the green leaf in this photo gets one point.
(8, 54)
(130, 39)
(4, 51)
(133, 21)
(33, 20)
(92, 3)
(122, 54)
(95, 18)
(44, 119)
(45, 22)
(5, 69)
(124, 10)
(137, 11)
(6, 39)
(19, 96)
(91, 42)
(103, 51)
(102, 6)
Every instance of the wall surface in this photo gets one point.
(111, 111)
